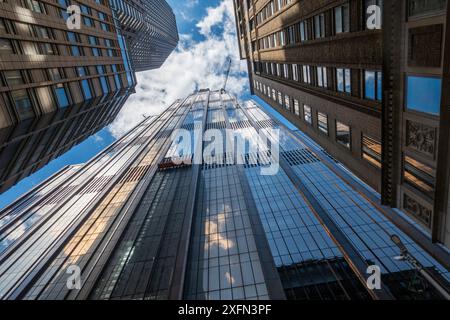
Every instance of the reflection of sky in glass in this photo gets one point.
(424, 94)
(380, 85)
(370, 85)
(340, 79)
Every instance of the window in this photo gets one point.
(322, 77)
(287, 102)
(307, 114)
(291, 35)
(93, 40)
(286, 71)
(319, 26)
(295, 72)
(85, 87)
(101, 15)
(343, 134)
(282, 38)
(96, 52)
(46, 49)
(303, 31)
(73, 37)
(373, 85)
(419, 7)
(371, 150)
(274, 95)
(75, 50)
(85, 9)
(341, 19)
(307, 74)
(119, 83)
(322, 122)
(104, 26)
(423, 94)
(88, 22)
(279, 4)
(23, 29)
(103, 81)
(22, 103)
(42, 32)
(35, 6)
(280, 98)
(54, 74)
(61, 96)
(13, 77)
(343, 80)
(419, 175)
(3, 26)
(279, 69)
(6, 47)
(296, 107)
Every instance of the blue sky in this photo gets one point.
(207, 39)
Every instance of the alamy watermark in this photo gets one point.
(373, 282)
(373, 17)
(227, 147)
(73, 281)
(73, 21)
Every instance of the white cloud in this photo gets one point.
(193, 65)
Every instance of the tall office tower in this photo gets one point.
(151, 218)
(322, 64)
(416, 121)
(59, 86)
(150, 30)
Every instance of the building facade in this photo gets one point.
(415, 120)
(322, 64)
(59, 86)
(149, 218)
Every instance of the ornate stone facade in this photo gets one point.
(419, 211)
(421, 137)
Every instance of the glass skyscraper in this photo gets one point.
(147, 219)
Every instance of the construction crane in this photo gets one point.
(227, 74)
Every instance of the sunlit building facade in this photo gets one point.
(60, 85)
(148, 219)
(364, 79)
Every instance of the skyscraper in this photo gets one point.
(60, 85)
(151, 218)
(322, 64)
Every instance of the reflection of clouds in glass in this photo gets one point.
(21, 226)
(213, 237)
(340, 79)
(229, 278)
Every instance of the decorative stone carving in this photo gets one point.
(421, 137)
(419, 211)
